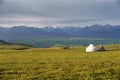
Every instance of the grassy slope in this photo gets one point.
(59, 64)
(14, 47)
(8, 46)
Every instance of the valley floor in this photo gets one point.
(60, 64)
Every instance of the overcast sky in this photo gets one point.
(59, 12)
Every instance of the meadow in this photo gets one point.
(60, 64)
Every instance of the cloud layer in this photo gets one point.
(58, 11)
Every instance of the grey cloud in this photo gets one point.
(48, 8)
(118, 1)
(1, 1)
(61, 10)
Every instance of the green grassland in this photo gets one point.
(60, 64)
(14, 47)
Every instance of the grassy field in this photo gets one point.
(14, 47)
(60, 64)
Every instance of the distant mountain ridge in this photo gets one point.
(94, 31)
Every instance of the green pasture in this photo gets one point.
(60, 64)
(14, 47)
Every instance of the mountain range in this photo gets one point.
(93, 31)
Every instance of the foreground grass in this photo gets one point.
(59, 64)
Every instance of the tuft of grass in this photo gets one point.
(60, 64)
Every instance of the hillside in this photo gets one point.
(94, 31)
(9, 46)
(3, 42)
(60, 64)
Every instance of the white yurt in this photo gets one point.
(91, 48)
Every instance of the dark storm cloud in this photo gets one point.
(58, 10)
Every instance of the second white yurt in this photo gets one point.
(91, 48)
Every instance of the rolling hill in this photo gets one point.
(3, 42)
(9, 46)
